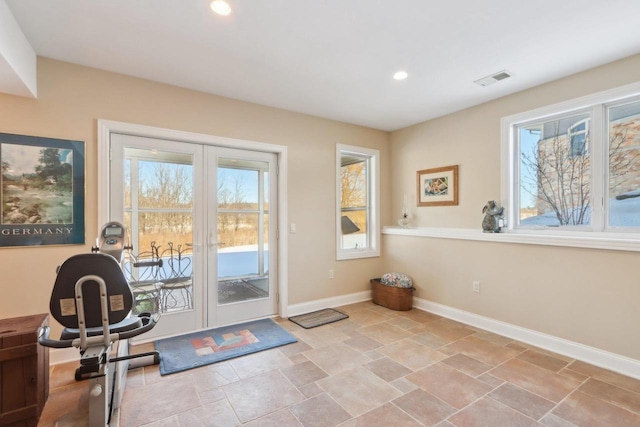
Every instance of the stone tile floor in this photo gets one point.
(377, 368)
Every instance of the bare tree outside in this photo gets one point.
(557, 173)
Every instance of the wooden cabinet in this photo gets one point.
(24, 371)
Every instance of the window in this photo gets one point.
(575, 166)
(357, 190)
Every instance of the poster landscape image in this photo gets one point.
(37, 184)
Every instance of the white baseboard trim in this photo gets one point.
(308, 307)
(604, 359)
(63, 355)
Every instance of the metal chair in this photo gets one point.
(176, 279)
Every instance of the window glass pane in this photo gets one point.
(164, 184)
(624, 165)
(554, 172)
(354, 202)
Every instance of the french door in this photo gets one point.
(201, 221)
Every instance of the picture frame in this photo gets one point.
(42, 191)
(438, 186)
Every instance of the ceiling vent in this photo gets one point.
(493, 78)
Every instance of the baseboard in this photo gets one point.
(308, 307)
(63, 355)
(604, 359)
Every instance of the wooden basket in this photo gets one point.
(392, 297)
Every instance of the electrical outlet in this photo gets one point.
(332, 274)
(476, 286)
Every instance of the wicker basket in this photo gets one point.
(392, 297)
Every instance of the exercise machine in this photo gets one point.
(92, 300)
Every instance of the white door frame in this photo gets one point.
(107, 127)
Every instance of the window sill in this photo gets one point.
(591, 240)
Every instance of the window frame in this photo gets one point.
(599, 230)
(372, 157)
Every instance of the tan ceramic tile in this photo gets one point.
(488, 412)
(374, 355)
(367, 317)
(411, 354)
(336, 358)
(213, 414)
(424, 407)
(257, 363)
(535, 379)
(167, 422)
(466, 364)
(321, 336)
(362, 343)
(319, 411)
(66, 405)
(303, 373)
(449, 384)
(493, 338)
(294, 348)
(522, 401)
(449, 329)
(612, 394)
(543, 360)
(352, 308)
(385, 416)
(262, 394)
(158, 401)
(298, 358)
(606, 376)
(490, 380)
(281, 418)
(63, 374)
(404, 385)
(514, 345)
(404, 323)
(310, 390)
(385, 333)
(551, 420)
(584, 410)
(387, 369)
(358, 390)
(345, 326)
(482, 350)
(573, 374)
(211, 396)
(212, 376)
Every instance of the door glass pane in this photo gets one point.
(159, 217)
(624, 165)
(243, 228)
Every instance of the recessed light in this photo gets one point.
(400, 75)
(221, 7)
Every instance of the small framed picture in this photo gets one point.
(438, 187)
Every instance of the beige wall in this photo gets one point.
(584, 295)
(70, 101)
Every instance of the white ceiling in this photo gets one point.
(336, 58)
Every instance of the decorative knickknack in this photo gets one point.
(404, 219)
(492, 222)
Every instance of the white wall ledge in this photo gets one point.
(578, 239)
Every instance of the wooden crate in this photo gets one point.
(24, 371)
(400, 299)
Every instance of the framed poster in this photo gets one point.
(438, 187)
(41, 191)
